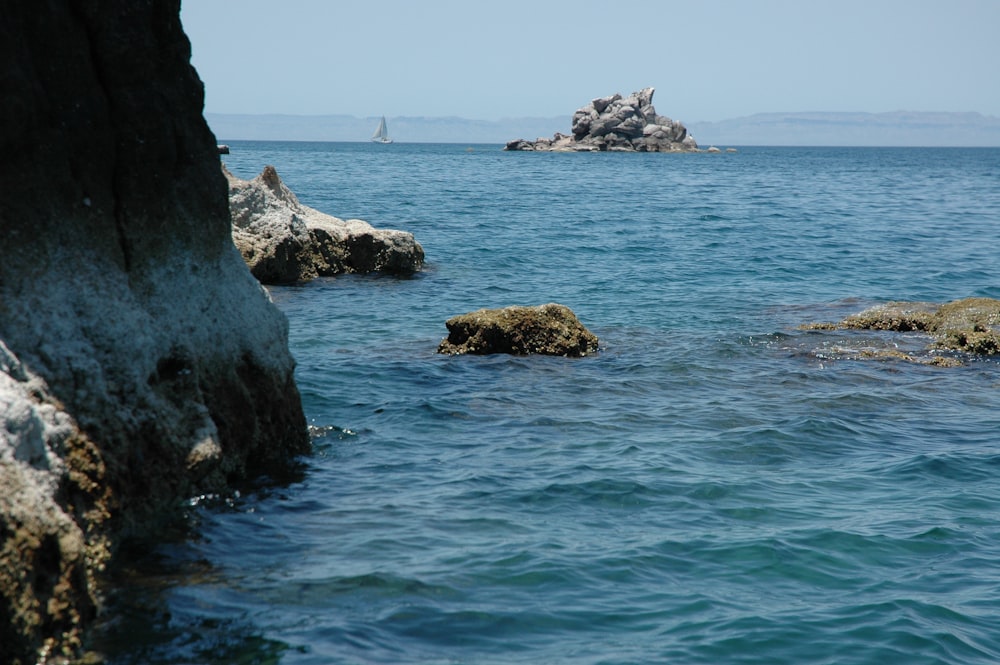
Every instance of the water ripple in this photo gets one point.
(714, 486)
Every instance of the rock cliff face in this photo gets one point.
(140, 362)
(617, 124)
(284, 241)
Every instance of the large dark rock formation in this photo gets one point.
(284, 241)
(140, 362)
(551, 330)
(617, 124)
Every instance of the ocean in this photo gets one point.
(716, 485)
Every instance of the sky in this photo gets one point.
(709, 60)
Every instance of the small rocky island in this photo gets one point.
(617, 124)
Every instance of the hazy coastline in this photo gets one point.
(895, 129)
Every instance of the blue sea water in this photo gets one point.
(715, 486)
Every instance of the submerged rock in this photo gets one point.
(551, 329)
(970, 325)
(617, 124)
(140, 362)
(283, 241)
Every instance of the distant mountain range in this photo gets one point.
(901, 128)
(403, 129)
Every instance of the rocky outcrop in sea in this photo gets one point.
(550, 329)
(283, 241)
(617, 124)
(141, 363)
(967, 326)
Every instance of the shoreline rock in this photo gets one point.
(46, 462)
(141, 363)
(283, 241)
(550, 329)
(616, 124)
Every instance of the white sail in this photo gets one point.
(381, 134)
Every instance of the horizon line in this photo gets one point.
(548, 117)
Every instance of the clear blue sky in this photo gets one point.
(708, 59)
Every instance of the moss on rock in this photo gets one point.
(969, 325)
(551, 329)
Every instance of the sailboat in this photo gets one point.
(381, 134)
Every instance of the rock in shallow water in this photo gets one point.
(970, 325)
(283, 241)
(551, 329)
